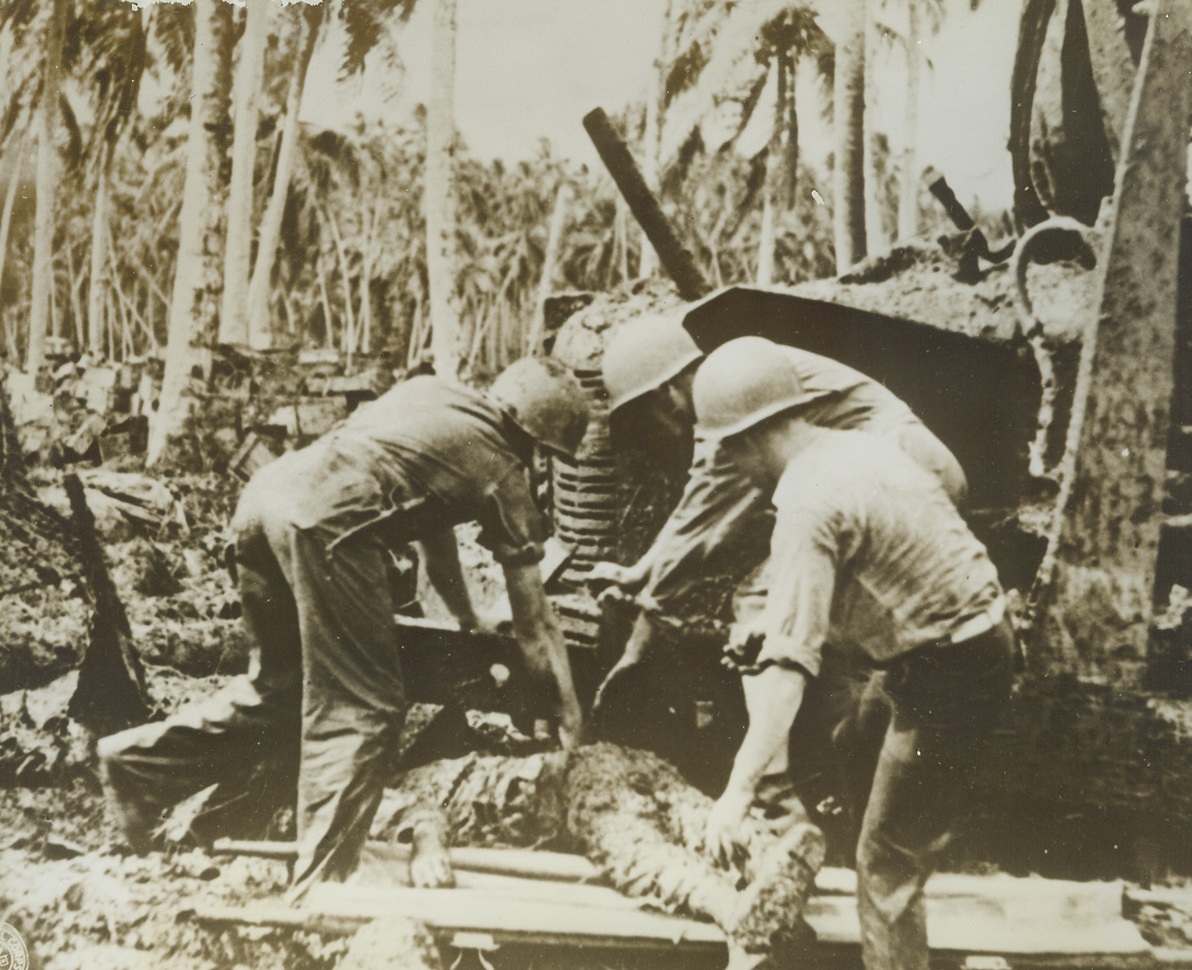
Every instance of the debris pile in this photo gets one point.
(85, 411)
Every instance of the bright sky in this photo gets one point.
(530, 69)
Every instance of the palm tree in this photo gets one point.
(368, 24)
(848, 101)
(730, 56)
(788, 38)
(49, 127)
(656, 97)
(191, 286)
(233, 317)
(783, 141)
(922, 16)
(908, 186)
(437, 195)
(113, 59)
(260, 329)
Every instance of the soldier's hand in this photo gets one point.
(571, 725)
(430, 866)
(497, 623)
(622, 675)
(724, 837)
(744, 644)
(628, 578)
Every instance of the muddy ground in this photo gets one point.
(80, 903)
(75, 896)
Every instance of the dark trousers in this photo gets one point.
(324, 694)
(931, 711)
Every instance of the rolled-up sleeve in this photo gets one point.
(720, 514)
(511, 525)
(802, 581)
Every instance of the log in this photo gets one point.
(675, 258)
(255, 452)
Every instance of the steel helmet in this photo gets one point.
(645, 354)
(743, 382)
(543, 398)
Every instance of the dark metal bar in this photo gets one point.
(676, 259)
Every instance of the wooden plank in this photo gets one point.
(1010, 917)
(1103, 898)
(508, 918)
(528, 863)
(999, 914)
(285, 917)
(975, 925)
(956, 925)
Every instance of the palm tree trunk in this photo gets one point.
(652, 137)
(908, 186)
(848, 176)
(366, 272)
(438, 199)
(776, 192)
(10, 198)
(190, 283)
(620, 243)
(876, 151)
(345, 285)
(47, 184)
(97, 292)
(554, 246)
(233, 317)
(260, 331)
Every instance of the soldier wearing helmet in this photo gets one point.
(324, 700)
(868, 551)
(722, 522)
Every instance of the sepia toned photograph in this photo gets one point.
(621, 485)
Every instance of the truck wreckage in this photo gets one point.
(1046, 365)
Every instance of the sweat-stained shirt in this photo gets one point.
(869, 550)
(722, 517)
(437, 453)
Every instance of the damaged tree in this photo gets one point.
(1106, 528)
(110, 695)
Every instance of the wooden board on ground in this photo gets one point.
(523, 896)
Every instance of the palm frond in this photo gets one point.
(368, 24)
(735, 71)
(73, 152)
